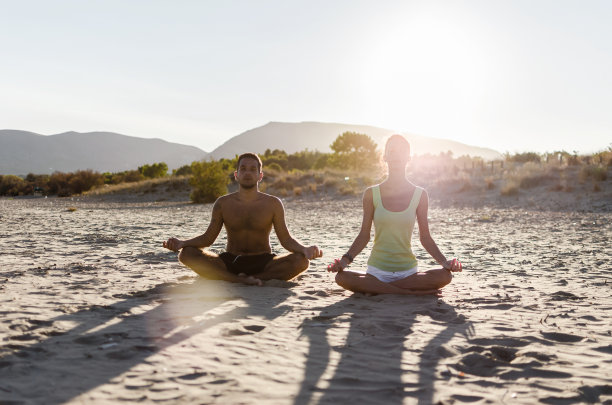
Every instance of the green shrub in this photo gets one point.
(209, 181)
(154, 171)
(12, 185)
(274, 167)
(182, 171)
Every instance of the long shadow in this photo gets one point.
(115, 338)
(370, 367)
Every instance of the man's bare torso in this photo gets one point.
(248, 223)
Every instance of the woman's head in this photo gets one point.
(397, 148)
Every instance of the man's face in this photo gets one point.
(248, 174)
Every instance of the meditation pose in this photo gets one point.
(394, 206)
(248, 216)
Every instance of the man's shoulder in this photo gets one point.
(226, 197)
(269, 197)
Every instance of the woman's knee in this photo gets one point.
(445, 277)
(342, 279)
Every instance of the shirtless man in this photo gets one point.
(248, 216)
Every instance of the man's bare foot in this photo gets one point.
(250, 280)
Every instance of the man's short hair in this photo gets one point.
(250, 156)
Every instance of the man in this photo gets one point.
(248, 216)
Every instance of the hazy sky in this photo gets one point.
(510, 75)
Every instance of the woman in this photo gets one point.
(393, 206)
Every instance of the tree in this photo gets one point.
(353, 150)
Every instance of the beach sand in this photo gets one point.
(95, 311)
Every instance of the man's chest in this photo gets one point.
(248, 217)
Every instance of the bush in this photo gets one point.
(209, 181)
(274, 167)
(597, 173)
(154, 171)
(12, 185)
(524, 157)
(182, 171)
(59, 184)
(67, 184)
(510, 188)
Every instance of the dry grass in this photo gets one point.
(510, 188)
(164, 184)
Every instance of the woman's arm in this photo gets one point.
(427, 241)
(363, 237)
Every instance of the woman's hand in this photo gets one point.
(338, 265)
(453, 265)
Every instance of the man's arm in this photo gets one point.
(204, 240)
(285, 238)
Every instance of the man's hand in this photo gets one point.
(312, 252)
(453, 265)
(174, 244)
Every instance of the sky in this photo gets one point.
(514, 75)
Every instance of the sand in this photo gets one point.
(95, 311)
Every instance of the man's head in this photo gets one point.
(248, 170)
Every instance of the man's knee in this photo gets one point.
(188, 253)
(301, 262)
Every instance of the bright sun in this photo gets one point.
(424, 70)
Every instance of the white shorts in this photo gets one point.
(391, 276)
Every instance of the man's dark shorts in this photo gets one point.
(249, 264)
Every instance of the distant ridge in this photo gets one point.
(294, 137)
(23, 152)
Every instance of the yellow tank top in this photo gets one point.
(392, 249)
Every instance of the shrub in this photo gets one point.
(524, 157)
(209, 181)
(59, 184)
(154, 170)
(597, 173)
(182, 171)
(510, 188)
(274, 167)
(67, 184)
(84, 180)
(12, 185)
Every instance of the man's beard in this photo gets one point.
(247, 186)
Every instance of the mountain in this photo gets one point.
(294, 137)
(23, 152)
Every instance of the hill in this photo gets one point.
(294, 137)
(23, 152)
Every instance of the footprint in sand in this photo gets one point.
(249, 330)
(192, 376)
(562, 337)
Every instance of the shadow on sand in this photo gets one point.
(42, 364)
(371, 366)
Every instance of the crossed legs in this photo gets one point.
(209, 265)
(421, 283)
